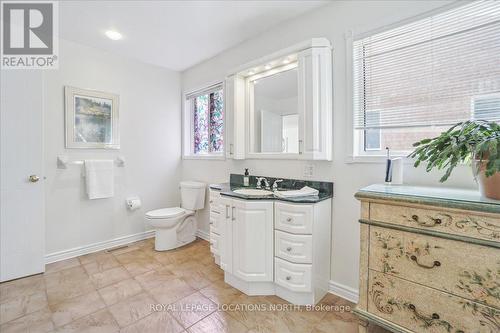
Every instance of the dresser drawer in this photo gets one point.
(423, 309)
(464, 224)
(468, 270)
(214, 242)
(296, 219)
(294, 248)
(295, 277)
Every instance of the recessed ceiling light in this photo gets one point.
(113, 35)
(268, 66)
(286, 61)
(251, 72)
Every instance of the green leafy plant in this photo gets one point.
(473, 139)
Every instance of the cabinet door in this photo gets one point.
(315, 104)
(234, 110)
(226, 235)
(253, 243)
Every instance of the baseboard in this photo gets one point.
(81, 250)
(203, 235)
(343, 291)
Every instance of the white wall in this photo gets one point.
(332, 22)
(150, 130)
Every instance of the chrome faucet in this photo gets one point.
(259, 182)
(275, 184)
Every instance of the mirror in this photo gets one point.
(274, 118)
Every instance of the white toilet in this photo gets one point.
(176, 226)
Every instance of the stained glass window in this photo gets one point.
(208, 124)
(216, 122)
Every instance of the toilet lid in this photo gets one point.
(165, 213)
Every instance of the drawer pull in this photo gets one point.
(433, 316)
(289, 219)
(434, 221)
(211, 201)
(434, 264)
(289, 249)
(288, 278)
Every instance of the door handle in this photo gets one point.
(227, 211)
(33, 178)
(232, 214)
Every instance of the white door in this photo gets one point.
(225, 232)
(315, 104)
(22, 230)
(253, 251)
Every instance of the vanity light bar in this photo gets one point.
(271, 66)
(273, 71)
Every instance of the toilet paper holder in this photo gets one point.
(133, 203)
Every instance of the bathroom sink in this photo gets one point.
(252, 192)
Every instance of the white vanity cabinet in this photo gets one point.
(247, 244)
(271, 247)
(215, 218)
(302, 251)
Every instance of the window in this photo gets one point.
(486, 106)
(417, 80)
(204, 113)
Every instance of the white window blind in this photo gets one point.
(431, 72)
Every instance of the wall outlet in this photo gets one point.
(308, 170)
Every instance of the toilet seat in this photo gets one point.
(165, 213)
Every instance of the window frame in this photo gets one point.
(188, 123)
(355, 152)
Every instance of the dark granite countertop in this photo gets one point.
(434, 196)
(236, 182)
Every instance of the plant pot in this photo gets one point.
(489, 187)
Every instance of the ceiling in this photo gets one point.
(173, 34)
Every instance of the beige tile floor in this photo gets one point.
(136, 289)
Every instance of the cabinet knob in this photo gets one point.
(289, 219)
(288, 278)
(33, 178)
(289, 249)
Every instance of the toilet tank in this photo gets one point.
(192, 195)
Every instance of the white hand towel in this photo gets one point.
(99, 178)
(306, 191)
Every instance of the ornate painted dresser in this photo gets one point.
(429, 260)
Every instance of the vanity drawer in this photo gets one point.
(422, 309)
(464, 224)
(215, 222)
(214, 242)
(293, 218)
(468, 270)
(214, 201)
(295, 277)
(294, 248)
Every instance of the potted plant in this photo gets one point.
(475, 141)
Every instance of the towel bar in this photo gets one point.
(63, 162)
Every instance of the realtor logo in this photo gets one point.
(29, 35)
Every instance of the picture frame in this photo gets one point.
(91, 119)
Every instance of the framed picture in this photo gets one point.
(91, 119)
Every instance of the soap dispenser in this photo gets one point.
(246, 178)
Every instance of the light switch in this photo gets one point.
(308, 170)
